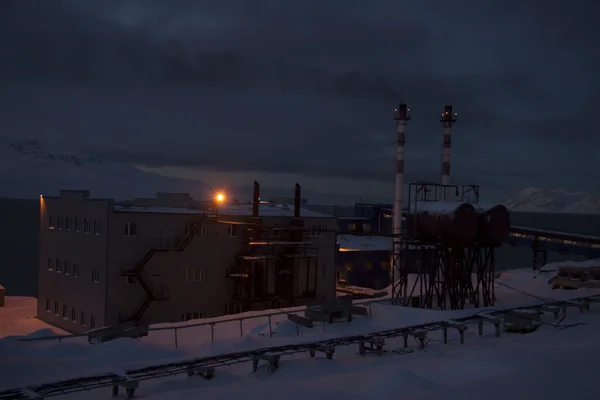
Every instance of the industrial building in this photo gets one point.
(364, 261)
(172, 258)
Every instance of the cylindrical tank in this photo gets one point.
(453, 223)
(494, 225)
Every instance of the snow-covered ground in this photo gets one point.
(522, 366)
(18, 318)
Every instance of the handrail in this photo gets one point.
(291, 310)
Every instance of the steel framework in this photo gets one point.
(276, 265)
(445, 276)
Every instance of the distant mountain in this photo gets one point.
(28, 169)
(555, 200)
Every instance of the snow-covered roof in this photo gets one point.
(269, 210)
(364, 243)
(264, 210)
(157, 210)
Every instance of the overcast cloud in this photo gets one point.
(307, 88)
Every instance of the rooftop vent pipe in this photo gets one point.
(297, 201)
(255, 199)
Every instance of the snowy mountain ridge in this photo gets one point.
(554, 200)
(29, 168)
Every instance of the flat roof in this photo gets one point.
(365, 243)
(264, 210)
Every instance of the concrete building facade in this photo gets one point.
(171, 258)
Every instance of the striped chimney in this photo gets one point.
(401, 116)
(448, 119)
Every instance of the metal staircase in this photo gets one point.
(138, 272)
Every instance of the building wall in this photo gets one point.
(72, 285)
(370, 269)
(195, 279)
(19, 241)
(207, 256)
(154, 230)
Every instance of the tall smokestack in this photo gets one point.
(401, 116)
(448, 119)
(255, 199)
(297, 201)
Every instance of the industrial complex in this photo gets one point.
(174, 258)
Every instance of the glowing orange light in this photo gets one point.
(220, 197)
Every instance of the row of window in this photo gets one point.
(190, 316)
(194, 274)
(366, 227)
(65, 314)
(69, 268)
(316, 230)
(62, 223)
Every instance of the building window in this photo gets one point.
(69, 223)
(368, 265)
(316, 230)
(351, 226)
(65, 310)
(130, 229)
(92, 321)
(57, 265)
(366, 227)
(47, 304)
(195, 275)
(76, 270)
(385, 265)
(67, 269)
(231, 230)
(61, 223)
(321, 270)
(95, 275)
(51, 223)
(77, 225)
(233, 308)
(204, 230)
(50, 265)
(56, 308)
(96, 227)
(73, 315)
(82, 319)
(86, 225)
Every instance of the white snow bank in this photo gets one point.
(579, 264)
(18, 317)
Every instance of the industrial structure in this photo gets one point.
(449, 240)
(401, 116)
(173, 258)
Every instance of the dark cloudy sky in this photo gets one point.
(281, 91)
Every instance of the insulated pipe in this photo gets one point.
(255, 199)
(448, 119)
(401, 116)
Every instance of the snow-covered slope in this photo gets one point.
(555, 200)
(28, 169)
